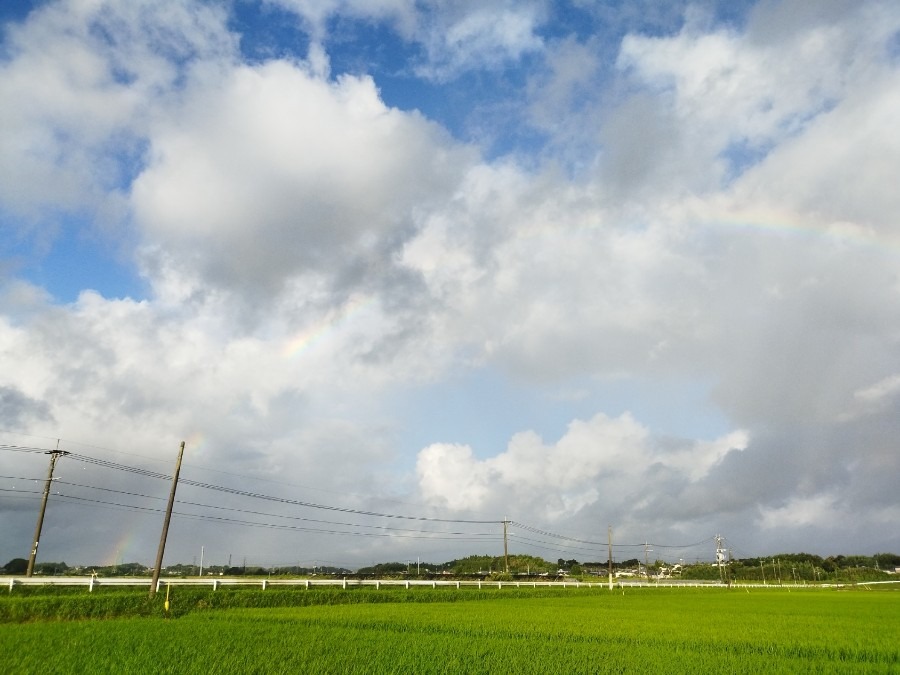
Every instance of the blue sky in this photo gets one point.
(564, 262)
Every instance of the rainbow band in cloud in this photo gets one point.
(775, 222)
(326, 327)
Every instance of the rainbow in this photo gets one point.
(785, 223)
(121, 549)
(327, 326)
(194, 442)
(127, 544)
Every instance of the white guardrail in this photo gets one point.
(215, 583)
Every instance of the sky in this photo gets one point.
(398, 271)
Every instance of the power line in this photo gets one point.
(188, 465)
(282, 500)
(248, 511)
(554, 535)
(22, 448)
(425, 534)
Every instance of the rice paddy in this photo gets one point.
(421, 631)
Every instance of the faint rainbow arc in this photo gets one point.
(325, 327)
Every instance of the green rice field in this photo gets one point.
(448, 631)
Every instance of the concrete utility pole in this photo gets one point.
(609, 554)
(720, 558)
(505, 547)
(647, 550)
(54, 455)
(165, 530)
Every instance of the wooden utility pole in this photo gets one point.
(165, 530)
(54, 455)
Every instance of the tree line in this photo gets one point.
(784, 568)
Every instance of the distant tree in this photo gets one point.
(50, 568)
(16, 566)
(887, 560)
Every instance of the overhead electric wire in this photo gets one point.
(22, 492)
(185, 465)
(106, 464)
(534, 530)
(425, 534)
(22, 448)
(550, 546)
(297, 502)
(564, 542)
(282, 500)
(261, 513)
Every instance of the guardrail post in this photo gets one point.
(264, 584)
(457, 585)
(479, 584)
(215, 584)
(344, 585)
(377, 585)
(307, 584)
(407, 584)
(11, 582)
(91, 585)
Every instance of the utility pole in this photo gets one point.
(647, 550)
(54, 455)
(720, 558)
(609, 554)
(165, 530)
(505, 548)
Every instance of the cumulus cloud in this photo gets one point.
(270, 172)
(76, 82)
(598, 464)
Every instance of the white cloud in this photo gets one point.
(602, 461)
(478, 37)
(886, 388)
(455, 37)
(269, 172)
(75, 86)
(317, 12)
(814, 511)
